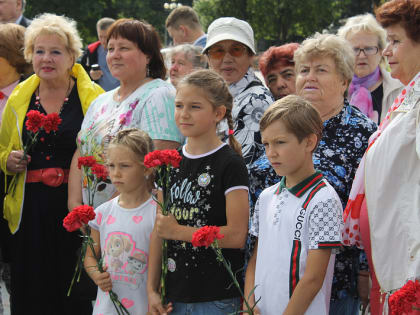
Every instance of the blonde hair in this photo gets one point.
(217, 93)
(364, 23)
(139, 142)
(51, 24)
(297, 114)
(328, 45)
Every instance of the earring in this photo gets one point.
(148, 71)
(146, 176)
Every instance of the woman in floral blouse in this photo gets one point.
(324, 67)
(230, 49)
(142, 101)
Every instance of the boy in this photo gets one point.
(297, 221)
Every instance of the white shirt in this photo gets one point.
(289, 223)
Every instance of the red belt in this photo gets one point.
(53, 177)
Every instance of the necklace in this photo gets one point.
(66, 99)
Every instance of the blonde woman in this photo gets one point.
(44, 254)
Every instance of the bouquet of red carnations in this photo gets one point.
(79, 218)
(406, 299)
(35, 122)
(163, 160)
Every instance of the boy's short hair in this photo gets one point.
(298, 115)
(183, 15)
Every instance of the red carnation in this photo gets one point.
(162, 157)
(85, 213)
(403, 300)
(87, 161)
(100, 171)
(51, 122)
(71, 222)
(78, 217)
(35, 121)
(206, 235)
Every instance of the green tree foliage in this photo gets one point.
(88, 12)
(280, 21)
(273, 21)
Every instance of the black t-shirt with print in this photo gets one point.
(197, 198)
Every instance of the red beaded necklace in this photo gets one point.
(66, 99)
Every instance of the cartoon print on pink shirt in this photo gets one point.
(117, 247)
(127, 264)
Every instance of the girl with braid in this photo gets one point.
(209, 188)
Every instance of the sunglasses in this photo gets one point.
(235, 51)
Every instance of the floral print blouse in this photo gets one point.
(149, 108)
(343, 143)
(250, 99)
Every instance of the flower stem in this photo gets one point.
(221, 258)
(164, 271)
(119, 307)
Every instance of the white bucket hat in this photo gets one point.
(226, 28)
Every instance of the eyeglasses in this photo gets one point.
(368, 51)
(218, 52)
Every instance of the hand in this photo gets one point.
(16, 163)
(155, 305)
(363, 289)
(103, 280)
(166, 225)
(95, 74)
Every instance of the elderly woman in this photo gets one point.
(278, 68)
(386, 191)
(372, 89)
(324, 66)
(142, 101)
(230, 50)
(13, 68)
(44, 254)
(185, 59)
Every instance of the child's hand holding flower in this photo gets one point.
(102, 279)
(166, 225)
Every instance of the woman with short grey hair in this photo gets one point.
(185, 59)
(324, 67)
(372, 89)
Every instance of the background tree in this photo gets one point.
(274, 21)
(87, 13)
(279, 21)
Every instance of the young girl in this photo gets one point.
(209, 188)
(123, 225)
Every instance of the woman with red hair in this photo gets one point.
(278, 68)
(385, 198)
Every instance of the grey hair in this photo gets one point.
(328, 45)
(104, 23)
(364, 22)
(192, 54)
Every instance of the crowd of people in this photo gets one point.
(312, 173)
